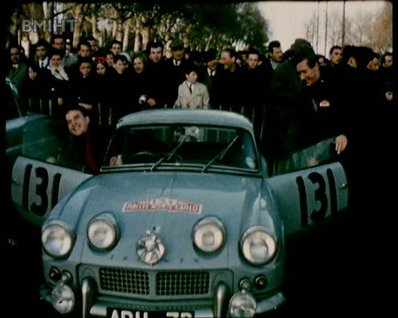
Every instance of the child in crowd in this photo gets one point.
(191, 93)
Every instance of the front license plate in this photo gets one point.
(124, 313)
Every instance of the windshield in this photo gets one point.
(179, 145)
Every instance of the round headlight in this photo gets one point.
(209, 235)
(102, 231)
(56, 239)
(258, 246)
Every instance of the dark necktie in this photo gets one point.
(13, 70)
(90, 162)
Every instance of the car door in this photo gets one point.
(312, 189)
(36, 186)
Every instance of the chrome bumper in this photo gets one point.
(91, 307)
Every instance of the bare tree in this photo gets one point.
(370, 29)
(381, 31)
(335, 29)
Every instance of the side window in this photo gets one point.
(42, 140)
(12, 109)
(317, 154)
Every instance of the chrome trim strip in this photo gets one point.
(89, 289)
(221, 300)
(271, 303)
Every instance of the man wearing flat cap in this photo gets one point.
(177, 45)
(175, 69)
(209, 75)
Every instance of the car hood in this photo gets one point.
(169, 204)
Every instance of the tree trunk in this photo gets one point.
(76, 34)
(126, 36)
(145, 37)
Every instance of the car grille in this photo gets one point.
(182, 283)
(167, 283)
(124, 281)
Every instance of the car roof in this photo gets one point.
(186, 116)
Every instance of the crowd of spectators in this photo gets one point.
(293, 97)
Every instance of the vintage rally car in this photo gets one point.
(184, 219)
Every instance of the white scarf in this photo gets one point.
(59, 73)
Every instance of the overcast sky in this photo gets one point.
(287, 20)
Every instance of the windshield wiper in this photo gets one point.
(169, 155)
(221, 154)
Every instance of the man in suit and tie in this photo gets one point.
(175, 71)
(41, 54)
(208, 75)
(17, 70)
